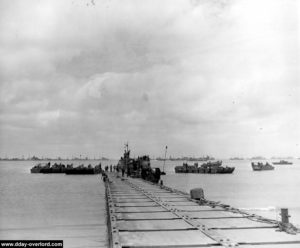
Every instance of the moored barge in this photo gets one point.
(207, 168)
(68, 170)
(261, 167)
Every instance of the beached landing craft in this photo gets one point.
(208, 168)
(261, 167)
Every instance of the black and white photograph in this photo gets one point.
(150, 123)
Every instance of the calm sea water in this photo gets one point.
(72, 208)
(259, 192)
(51, 206)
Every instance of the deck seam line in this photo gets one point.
(226, 242)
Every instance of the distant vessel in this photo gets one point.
(258, 158)
(260, 166)
(236, 158)
(192, 159)
(209, 168)
(282, 158)
(282, 162)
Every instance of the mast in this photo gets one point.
(126, 156)
(165, 159)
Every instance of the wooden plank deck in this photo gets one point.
(141, 214)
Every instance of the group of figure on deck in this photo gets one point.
(139, 167)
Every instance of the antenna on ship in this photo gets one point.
(163, 172)
(126, 156)
(126, 146)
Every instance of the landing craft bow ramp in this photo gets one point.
(144, 215)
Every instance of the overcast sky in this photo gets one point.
(201, 76)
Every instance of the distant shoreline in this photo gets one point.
(55, 159)
(158, 159)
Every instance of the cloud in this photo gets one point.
(45, 118)
(198, 76)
